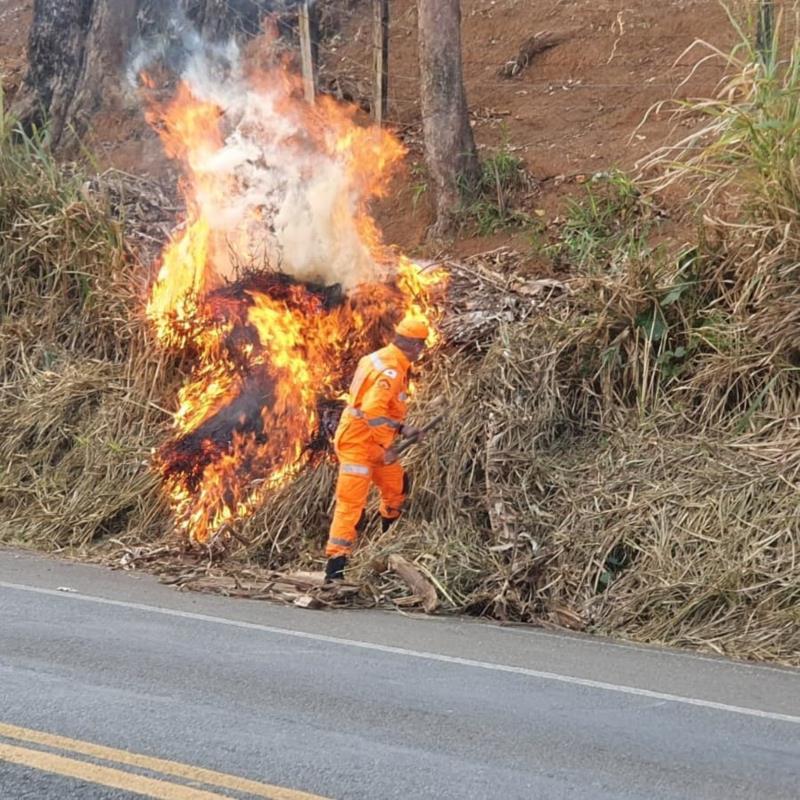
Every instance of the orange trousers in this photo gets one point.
(361, 465)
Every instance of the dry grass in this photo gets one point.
(626, 459)
(75, 449)
(620, 455)
(79, 393)
(658, 529)
(568, 488)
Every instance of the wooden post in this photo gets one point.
(766, 29)
(306, 55)
(380, 47)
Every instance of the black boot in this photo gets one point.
(334, 569)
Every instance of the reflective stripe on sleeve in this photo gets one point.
(378, 421)
(376, 362)
(355, 469)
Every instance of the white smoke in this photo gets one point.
(286, 204)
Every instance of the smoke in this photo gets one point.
(169, 41)
(286, 204)
(289, 204)
(278, 193)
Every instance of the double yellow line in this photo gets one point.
(121, 779)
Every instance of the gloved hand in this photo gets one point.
(410, 432)
(389, 456)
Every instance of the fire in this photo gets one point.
(275, 284)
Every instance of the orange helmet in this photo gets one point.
(412, 328)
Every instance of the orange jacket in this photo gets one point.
(378, 396)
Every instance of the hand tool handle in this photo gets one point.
(401, 447)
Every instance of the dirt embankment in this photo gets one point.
(573, 110)
(621, 452)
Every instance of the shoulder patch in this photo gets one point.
(392, 373)
(383, 383)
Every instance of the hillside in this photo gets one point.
(618, 359)
(574, 111)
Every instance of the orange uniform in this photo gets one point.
(370, 423)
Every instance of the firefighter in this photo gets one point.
(375, 415)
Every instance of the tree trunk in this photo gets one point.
(55, 57)
(105, 51)
(449, 143)
(78, 49)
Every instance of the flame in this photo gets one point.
(255, 306)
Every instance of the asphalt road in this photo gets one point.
(122, 687)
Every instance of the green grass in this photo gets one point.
(495, 203)
(740, 171)
(745, 155)
(609, 223)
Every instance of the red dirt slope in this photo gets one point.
(574, 111)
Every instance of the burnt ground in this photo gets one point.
(575, 110)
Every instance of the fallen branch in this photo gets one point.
(419, 585)
(530, 48)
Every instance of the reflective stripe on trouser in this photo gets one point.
(352, 490)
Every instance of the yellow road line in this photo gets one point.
(105, 776)
(160, 765)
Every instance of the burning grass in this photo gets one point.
(274, 287)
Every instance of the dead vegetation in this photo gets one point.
(621, 451)
(80, 391)
(529, 49)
